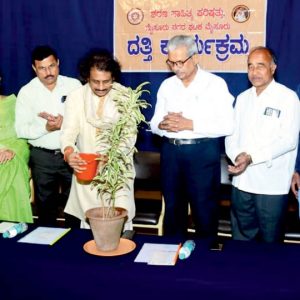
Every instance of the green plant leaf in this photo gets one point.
(117, 172)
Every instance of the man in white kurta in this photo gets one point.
(87, 110)
(263, 149)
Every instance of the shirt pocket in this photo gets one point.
(269, 126)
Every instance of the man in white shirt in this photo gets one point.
(263, 150)
(39, 115)
(193, 109)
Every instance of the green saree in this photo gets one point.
(14, 174)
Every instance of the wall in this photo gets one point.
(74, 26)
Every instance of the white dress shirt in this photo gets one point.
(267, 128)
(34, 98)
(206, 101)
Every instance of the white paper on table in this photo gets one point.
(44, 235)
(158, 254)
(6, 225)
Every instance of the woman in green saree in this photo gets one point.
(14, 173)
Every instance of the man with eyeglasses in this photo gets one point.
(193, 109)
(39, 116)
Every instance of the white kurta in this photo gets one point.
(80, 134)
(267, 128)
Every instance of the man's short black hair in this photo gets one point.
(102, 60)
(41, 52)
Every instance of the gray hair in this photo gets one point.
(183, 40)
(269, 51)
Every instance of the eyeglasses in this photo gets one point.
(178, 63)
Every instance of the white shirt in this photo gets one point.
(206, 101)
(266, 127)
(34, 98)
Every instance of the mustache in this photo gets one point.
(97, 90)
(49, 76)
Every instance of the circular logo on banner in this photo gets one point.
(135, 16)
(240, 13)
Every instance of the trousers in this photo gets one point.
(191, 175)
(52, 182)
(256, 216)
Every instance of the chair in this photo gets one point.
(60, 218)
(224, 226)
(32, 199)
(150, 207)
(31, 187)
(31, 190)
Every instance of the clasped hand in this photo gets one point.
(174, 122)
(241, 162)
(53, 122)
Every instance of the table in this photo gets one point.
(242, 270)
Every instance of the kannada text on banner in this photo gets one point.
(224, 30)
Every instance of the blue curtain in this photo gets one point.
(74, 26)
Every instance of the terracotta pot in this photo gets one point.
(91, 166)
(106, 230)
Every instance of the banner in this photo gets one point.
(224, 31)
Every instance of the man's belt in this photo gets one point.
(54, 151)
(174, 141)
